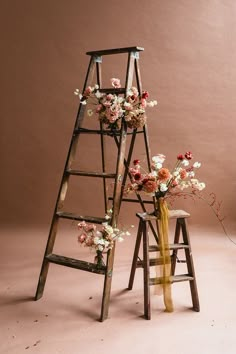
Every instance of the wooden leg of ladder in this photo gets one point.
(190, 266)
(135, 257)
(175, 251)
(107, 285)
(146, 273)
(45, 264)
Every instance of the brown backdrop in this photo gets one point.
(188, 65)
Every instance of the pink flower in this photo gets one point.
(88, 91)
(183, 174)
(188, 155)
(174, 183)
(89, 242)
(143, 103)
(82, 224)
(82, 238)
(115, 83)
(150, 186)
(99, 108)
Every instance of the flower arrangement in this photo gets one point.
(161, 182)
(111, 108)
(99, 240)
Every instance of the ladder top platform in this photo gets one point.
(173, 214)
(115, 51)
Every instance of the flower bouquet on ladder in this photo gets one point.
(101, 240)
(163, 184)
(110, 108)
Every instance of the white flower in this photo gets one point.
(160, 158)
(197, 164)
(191, 174)
(96, 240)
(120, 239)
(96, 87)
(98, 94)
(163, 187)
(127, 233)
(100, 248)
(185, 162)
(76, 92)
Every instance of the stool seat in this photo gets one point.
(181, 227)
(173, 214)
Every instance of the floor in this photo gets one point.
(65, 320)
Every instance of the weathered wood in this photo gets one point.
(171, 246)
(91, 174)
(135, 256)
(172, 279)
(152, 262)
(147, 262)
(146, 274)
(190, 266)
(173, 214)
(73, 216)
(75, 263)
(120, 137)
(114, 51)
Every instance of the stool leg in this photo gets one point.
(135, 256)
(174, 253)
(146, 273)
(190, 266)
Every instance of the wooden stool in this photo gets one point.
(181, 225)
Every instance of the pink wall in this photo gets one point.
(188, 65)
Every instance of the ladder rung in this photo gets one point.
(115, 51)
(152, 262)
(91, 174)
(103, 132)
(112, 90)
(133, 200)
(172, 279)
(171, 246)
(97, 131)
(75, 263)
(72, 216)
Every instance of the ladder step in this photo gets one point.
(97, 131)
(73, 216)
(173, 279)
(75, 263)
(102, 132)
(134, 200)
(113, 90)
(152, 262)
(90, 174)
(171, 246)
(115, 51)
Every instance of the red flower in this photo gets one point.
(145, 95)
(180, 157)
(136, 162)
(188, 155)
(137, 176)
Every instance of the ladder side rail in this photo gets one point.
(60, 197)
(102, 137)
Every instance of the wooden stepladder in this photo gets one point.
(180, 243)
(119, 176)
